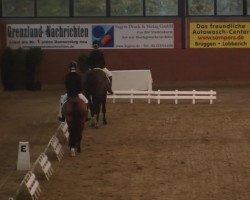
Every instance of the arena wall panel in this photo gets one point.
(166, 65)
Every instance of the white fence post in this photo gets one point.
(211, 95)
(193, 101)
(149, 98)
(176, 97)
(132, 99)
(158, 100)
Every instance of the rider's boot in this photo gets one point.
(61, 119)
(110, 86)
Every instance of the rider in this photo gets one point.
(96, 60)
(73, 87)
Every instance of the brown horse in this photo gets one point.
(75, 112)
(95, 86)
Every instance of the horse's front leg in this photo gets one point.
(93, 121)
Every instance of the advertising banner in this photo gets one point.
(81, 36)
(220, 35)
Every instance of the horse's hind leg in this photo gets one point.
(78, 145)
(92, 112)
(72, 143)
(97, 120)
(94, 117)
(104, 113)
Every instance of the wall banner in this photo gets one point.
(220, 35)
(81, 36)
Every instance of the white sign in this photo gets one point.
(81, 36)
(51, 36)
(144, 35)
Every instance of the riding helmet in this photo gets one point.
(73, 65)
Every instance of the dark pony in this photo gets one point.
(75, 112)
(95, 84)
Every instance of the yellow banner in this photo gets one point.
(220, 35)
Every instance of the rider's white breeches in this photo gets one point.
(107, 72)
(63, 99)
(82, 97)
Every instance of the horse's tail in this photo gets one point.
(76, 118)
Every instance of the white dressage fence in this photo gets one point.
(159, 95)
(57, 147)
(45, 164)
(32, 185)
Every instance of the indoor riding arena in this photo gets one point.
(178, 123)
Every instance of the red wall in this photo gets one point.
(166, 65)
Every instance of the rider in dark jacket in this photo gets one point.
(73, 87)
(73, 81)
(96, 60)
